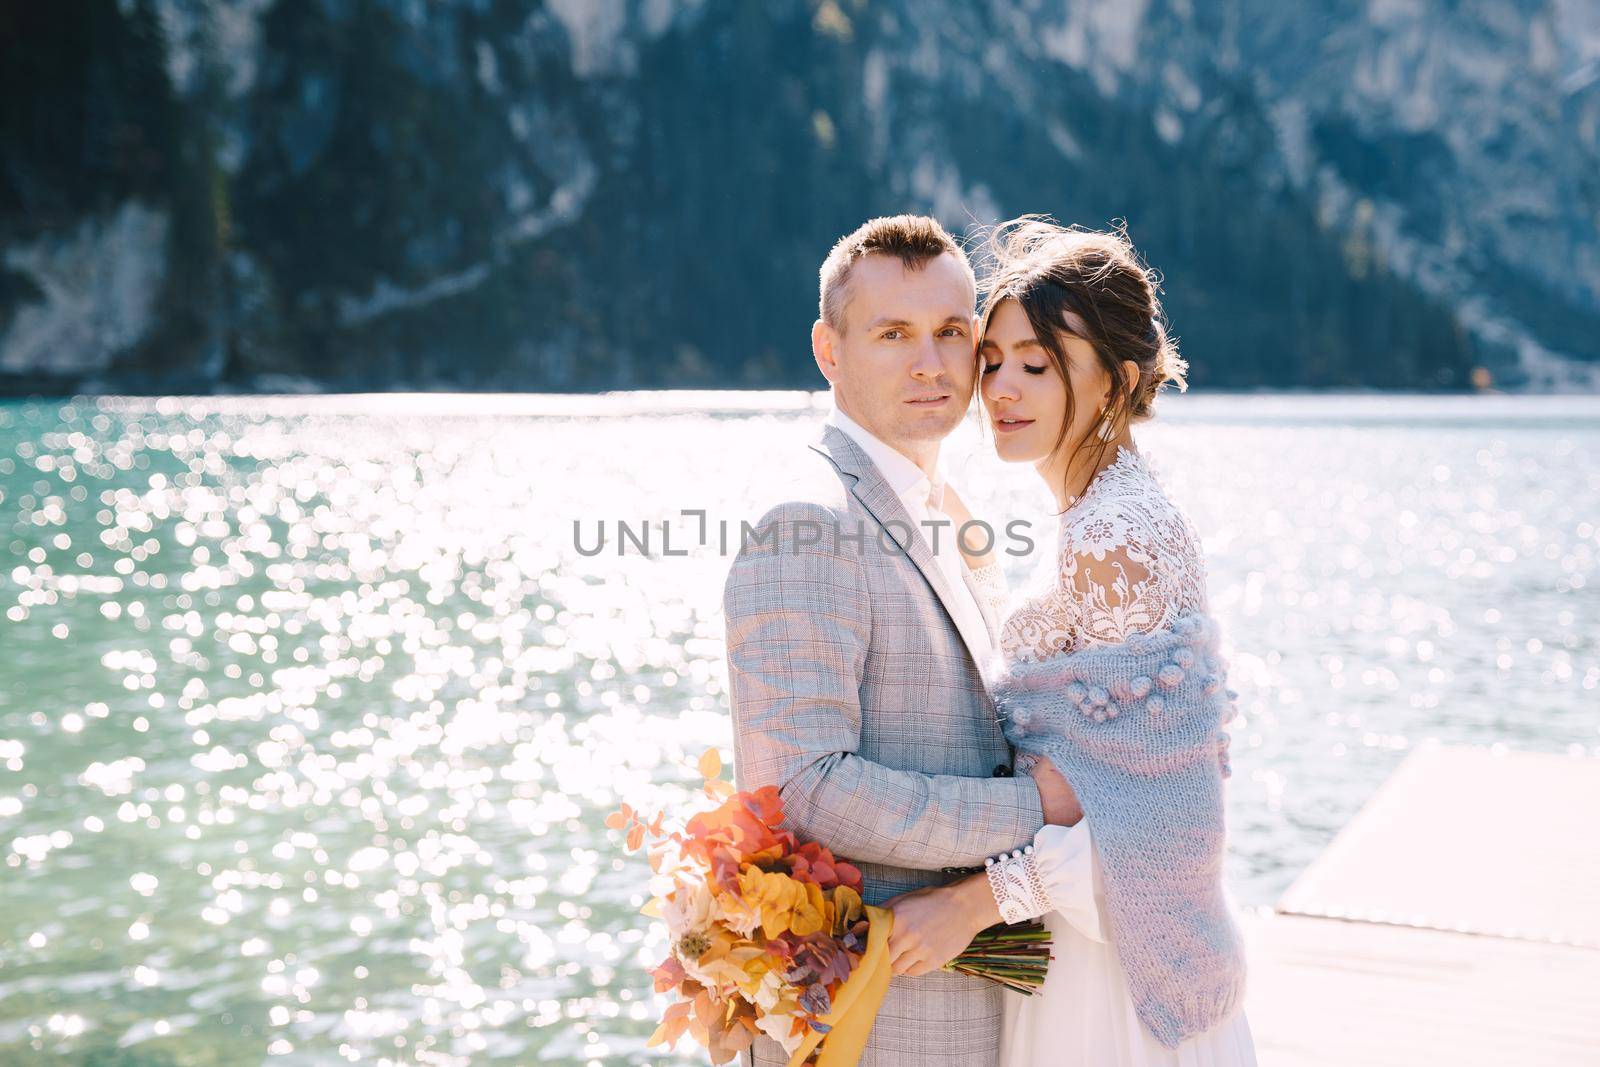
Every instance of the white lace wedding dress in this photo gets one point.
(1127, 562)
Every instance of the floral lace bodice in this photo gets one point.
(1127, 563)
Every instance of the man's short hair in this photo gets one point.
(914, 240)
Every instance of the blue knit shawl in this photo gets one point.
(1136, 727)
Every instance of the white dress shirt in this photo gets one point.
(923, 498)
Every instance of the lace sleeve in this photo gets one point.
(989, 585)
(1117, 591)
(1128, 562)
(1058, 873)
(1019, 892)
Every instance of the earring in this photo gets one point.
(1107, 429)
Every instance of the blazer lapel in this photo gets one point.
(885, 506)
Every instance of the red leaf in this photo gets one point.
(765, 804)
(667, 976)
(848, 874)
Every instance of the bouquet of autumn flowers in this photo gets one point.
(769, 934)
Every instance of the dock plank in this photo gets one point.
(1472, 841)
(1455, 920)
(1324, 992)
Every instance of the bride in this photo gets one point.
(1111, 671)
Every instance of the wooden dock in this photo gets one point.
(1454, 923)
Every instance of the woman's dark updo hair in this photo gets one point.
(1051, 270)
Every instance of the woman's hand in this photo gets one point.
(933, 926)
(1056, 796)
(956, 508)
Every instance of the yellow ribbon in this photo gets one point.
(855, 1006)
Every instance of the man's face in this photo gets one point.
(903, 367)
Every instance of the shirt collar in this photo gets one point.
(903, 475)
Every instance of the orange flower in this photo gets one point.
(765, 929)
(785, 904)
(843, 910)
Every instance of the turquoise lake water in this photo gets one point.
(311, 708)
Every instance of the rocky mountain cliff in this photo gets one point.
(590, 194)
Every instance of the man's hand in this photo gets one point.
(933, 926)
(1060, 803)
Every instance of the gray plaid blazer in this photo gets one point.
(854, 693)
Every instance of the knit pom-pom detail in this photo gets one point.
(1128, 726)
(1021, 716)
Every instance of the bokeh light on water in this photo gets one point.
(310, 709)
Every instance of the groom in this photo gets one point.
(854, 638)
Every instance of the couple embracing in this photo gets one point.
(1060, 757)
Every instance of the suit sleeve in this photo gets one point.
(798, 632)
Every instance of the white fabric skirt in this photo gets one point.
(1084, 1015)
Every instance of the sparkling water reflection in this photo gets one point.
(310, 708)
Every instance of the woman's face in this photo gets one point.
(1023, 393)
